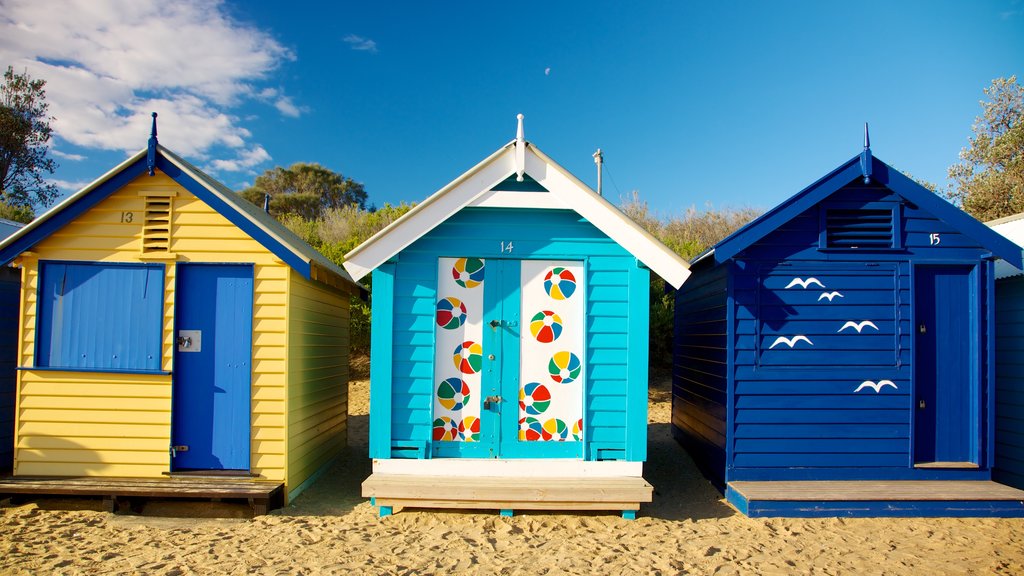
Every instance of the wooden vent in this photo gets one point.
(156, 228)
(858, 228)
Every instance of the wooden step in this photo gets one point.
(395, 491)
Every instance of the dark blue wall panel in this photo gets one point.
(699, 370)
(1009, 467)
(10, 284)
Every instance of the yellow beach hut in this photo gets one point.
(170, 328)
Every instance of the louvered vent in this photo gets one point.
(156, 230)
(858, 228)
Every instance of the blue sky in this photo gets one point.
(727, 103)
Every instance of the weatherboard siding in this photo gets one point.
(796, 412)
(612, 372)
(318, 345)
(52, 404)
(1009, 457)
(700, 368)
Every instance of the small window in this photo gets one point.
(156, 225)
(858, 228)
(100, 316)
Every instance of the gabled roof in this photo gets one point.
(262, 227)
(1011, 227)
(544, 184)
(858, 167)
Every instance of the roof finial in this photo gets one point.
(151, 154)
(865, 156)
(520, 150)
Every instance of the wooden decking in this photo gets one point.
(393, 492)
(876, 498)
(262, 495)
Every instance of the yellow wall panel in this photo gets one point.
(91, 469)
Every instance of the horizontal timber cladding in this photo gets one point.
(699, 368)
(1009, 451)
(318, 345)
(611, 365)
(88, 413)
(822, 346)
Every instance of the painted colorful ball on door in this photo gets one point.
(469, 429)
(530, 429)
(453, 394)
(559, 283)
(445, 429)
(534, 398)
(564, 367)
(451, 313)
(577, 430)
(468, 272)
(468, 357)
(555, 429)
(546, 326)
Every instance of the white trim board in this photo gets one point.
(474, 188)
(493, 468)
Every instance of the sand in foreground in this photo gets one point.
(330, 530)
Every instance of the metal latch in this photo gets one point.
(491, 400)
(920, 404)
(176, 449)
(190, 341)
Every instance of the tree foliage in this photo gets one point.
(23, 214)
(988, 182)
(305, 190)
(24, 136)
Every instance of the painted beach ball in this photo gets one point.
(451, 313)
(453, 394)
(559, 283)
(577, 430)
(534, 398)
(546, 326)
(469, 429)
(555, 429)
(445, 429)
(564, 367)
(468, 272)
(468, 357)
(530, 429)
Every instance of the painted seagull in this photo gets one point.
(876, 386)
(803, 283)
(829, 295)
(790, 341)
(858, 326)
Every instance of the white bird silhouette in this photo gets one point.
(803, 283)
(829, 295)
(858, 326)
(876, 386)
(790, 341)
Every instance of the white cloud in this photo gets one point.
(66, 155)
(246, 160)
(360, 43)
(109, 63)
(70, 186)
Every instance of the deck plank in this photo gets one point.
(874, 490)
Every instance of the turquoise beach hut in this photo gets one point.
(509, 352)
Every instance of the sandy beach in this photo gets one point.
(329, 529)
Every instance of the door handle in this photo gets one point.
(491, 400)
(495, 323)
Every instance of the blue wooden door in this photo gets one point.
(212, 367)
(945, 387)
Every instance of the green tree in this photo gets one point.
(988, 182)
(305, 190)
(24, 136)
(23, 214)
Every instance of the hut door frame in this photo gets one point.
(499, 384)
(946, 401)
(211, 414)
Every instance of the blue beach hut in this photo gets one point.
(1009, 465)
(10, 285)
(509, 349)
(836, 355)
